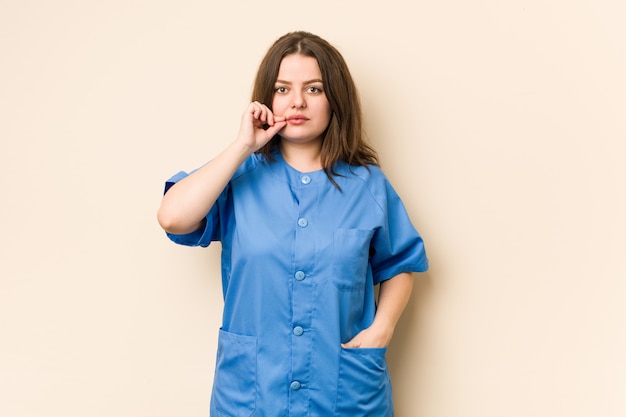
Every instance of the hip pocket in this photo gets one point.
(350, 257)
(364, 388)
(234, 385)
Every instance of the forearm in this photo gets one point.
(187, 202)
(393, 297)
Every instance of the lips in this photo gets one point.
(297, 119)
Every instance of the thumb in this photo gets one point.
(351, 344)
(272, 130)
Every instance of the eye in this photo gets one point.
(280, 90)
(314, 90)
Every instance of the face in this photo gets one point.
(299, 96)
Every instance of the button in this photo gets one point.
(298, 331)
(295, 385)
(300, 275)
(305, 179)
(302, 222)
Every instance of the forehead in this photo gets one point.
(299, 67)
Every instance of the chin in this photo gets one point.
(298, 138)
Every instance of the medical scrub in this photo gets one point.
(300, 259)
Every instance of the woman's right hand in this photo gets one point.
(251, 131)
(187, 202)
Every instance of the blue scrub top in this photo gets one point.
(300, 260)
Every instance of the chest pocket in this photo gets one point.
(351, 257)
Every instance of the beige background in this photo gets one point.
(501, 123)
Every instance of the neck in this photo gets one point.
(304, 157)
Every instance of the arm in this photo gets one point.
(185, 205)
(392, 299)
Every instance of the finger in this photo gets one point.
(352, 343)
(270, 117)
(275, 128)
(267, 115)
(275, 118)
(261, 113)
(255, 109)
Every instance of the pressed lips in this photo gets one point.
(297, 119)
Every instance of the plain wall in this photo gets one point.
(500, 123)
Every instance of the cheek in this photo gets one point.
(327, 113)
(325, 107)
(279, 105)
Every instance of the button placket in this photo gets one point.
(302, 292)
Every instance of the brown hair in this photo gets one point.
(344, 138)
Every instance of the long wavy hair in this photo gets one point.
(343, 139)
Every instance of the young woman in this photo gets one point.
(309, 225)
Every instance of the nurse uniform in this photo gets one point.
(300, 259)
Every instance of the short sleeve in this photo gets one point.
(397, 246)
(204, 235)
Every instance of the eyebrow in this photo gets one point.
(315, 80)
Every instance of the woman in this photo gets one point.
(309, 225)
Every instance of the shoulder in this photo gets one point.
(250, 164)
(369, 181)
(370, 176)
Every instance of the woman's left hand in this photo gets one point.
(393, 296)
(372, 337)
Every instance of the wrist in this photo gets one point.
(383, 329)
(242, 149)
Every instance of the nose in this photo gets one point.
(298, 101)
